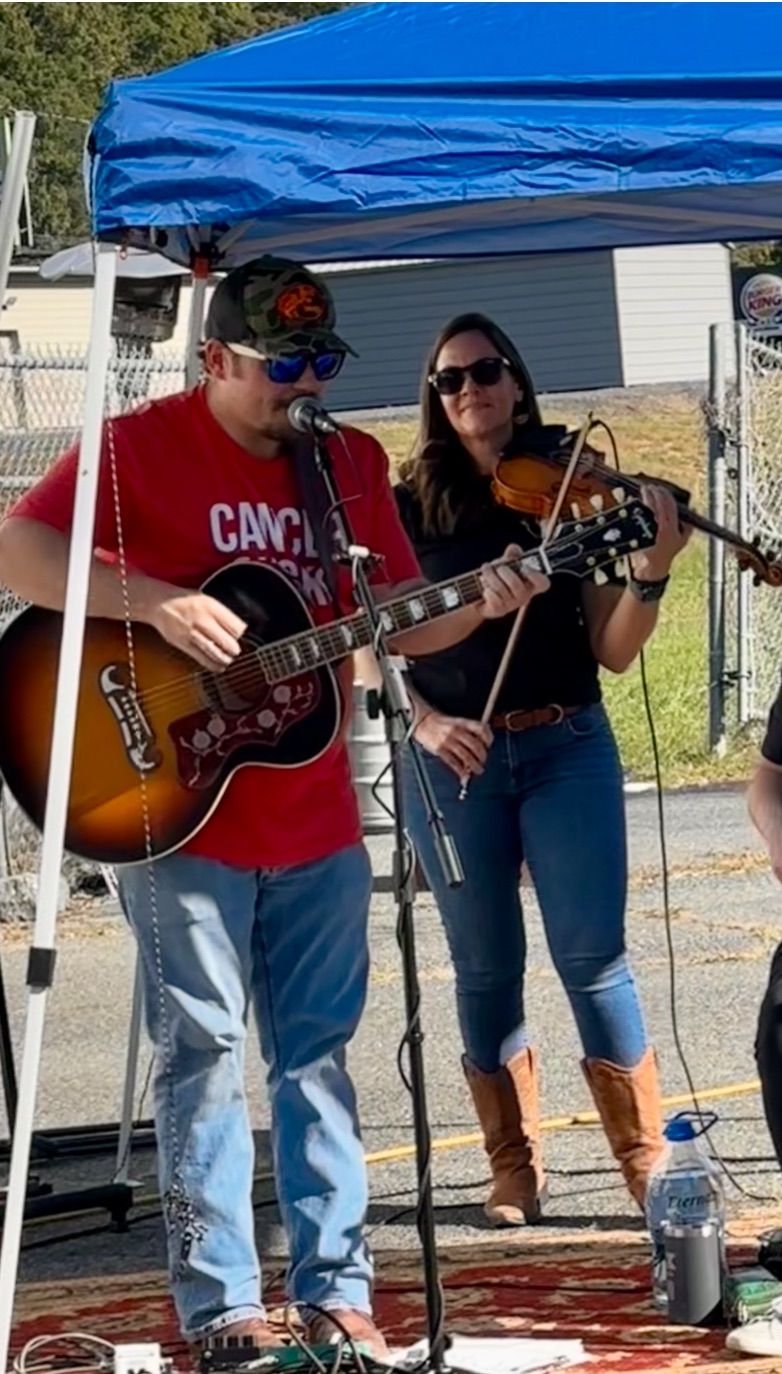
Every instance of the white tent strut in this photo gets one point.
(13, 191)
(40, 967)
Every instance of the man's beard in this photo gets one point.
(276, 426)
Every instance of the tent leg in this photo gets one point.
(195, 323)
(40, 968)
(13, 191)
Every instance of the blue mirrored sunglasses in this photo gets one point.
(290, 367)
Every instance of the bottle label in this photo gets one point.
(688, 1200)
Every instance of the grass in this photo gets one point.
(663, 436)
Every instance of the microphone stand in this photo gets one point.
(398, 715)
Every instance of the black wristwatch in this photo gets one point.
(648, 591)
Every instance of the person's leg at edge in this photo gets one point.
(483, 925)
(310, 972)
(768, 1051)
(196, 1007)
(574, 838)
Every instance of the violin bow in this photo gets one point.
(551, 525)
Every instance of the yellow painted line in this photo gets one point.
(562, 1123)
(458, 1142)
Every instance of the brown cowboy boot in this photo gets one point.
(507, 1105)
(628, 1102)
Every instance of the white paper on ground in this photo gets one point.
(498, 1355)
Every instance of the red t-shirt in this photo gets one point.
(192, 500)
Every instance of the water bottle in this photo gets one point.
(684, 1190)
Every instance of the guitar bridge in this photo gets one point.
(137, 735)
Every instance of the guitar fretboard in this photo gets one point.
(314, 648)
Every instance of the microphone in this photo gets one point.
(308, 416)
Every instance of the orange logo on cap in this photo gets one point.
(301, 304)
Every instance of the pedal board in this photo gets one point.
(236, 1355)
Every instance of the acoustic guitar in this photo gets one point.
(171, 734)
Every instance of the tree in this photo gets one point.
(759, 254)
(58, 59)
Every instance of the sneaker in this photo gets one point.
(321, 1330)
(761, 1336)
(250, 1331)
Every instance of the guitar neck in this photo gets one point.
(316, 647)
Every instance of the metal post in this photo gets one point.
(196, 321)
(743, 458)
(13, 191)
(716, 471)
(40, 970)
(125, 1133)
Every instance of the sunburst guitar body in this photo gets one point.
(163, 752)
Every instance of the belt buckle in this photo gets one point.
(560, 713)
(510, 720)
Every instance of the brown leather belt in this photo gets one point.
(527, 720)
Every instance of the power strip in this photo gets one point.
(140, 1358)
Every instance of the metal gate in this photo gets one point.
(744, 414)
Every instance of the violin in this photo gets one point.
(529, 484)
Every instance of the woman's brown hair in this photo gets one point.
(441, 473)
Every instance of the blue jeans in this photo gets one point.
(294, 940)
(552, 796)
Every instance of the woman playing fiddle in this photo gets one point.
(545, 777)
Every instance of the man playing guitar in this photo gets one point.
(267, 903)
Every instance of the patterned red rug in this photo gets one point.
(595, 1289)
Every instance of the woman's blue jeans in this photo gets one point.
(552, 796)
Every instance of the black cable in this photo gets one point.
(704, 1124)
(340, 1328)
(665, 876)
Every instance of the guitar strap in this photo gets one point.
(315, 499)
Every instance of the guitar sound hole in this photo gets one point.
(238, 687)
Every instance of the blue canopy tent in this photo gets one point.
(424, 130)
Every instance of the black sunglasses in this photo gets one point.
(484, 372)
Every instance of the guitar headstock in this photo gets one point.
(586, 547)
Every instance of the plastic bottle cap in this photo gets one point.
(679, 1130)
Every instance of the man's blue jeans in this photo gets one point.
(294, 942)
(552, 796)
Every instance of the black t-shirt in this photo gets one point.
(771, 748)
(553, 661)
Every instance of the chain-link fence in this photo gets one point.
(41, 403)
(745, 480)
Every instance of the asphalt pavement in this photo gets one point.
(726, 914)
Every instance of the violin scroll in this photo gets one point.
(764, 567)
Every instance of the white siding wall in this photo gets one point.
(667, 297)
(58, 313)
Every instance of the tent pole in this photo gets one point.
(41, 959)
(13, 191)
(196, 321)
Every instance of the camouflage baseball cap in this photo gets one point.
(272, 306)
